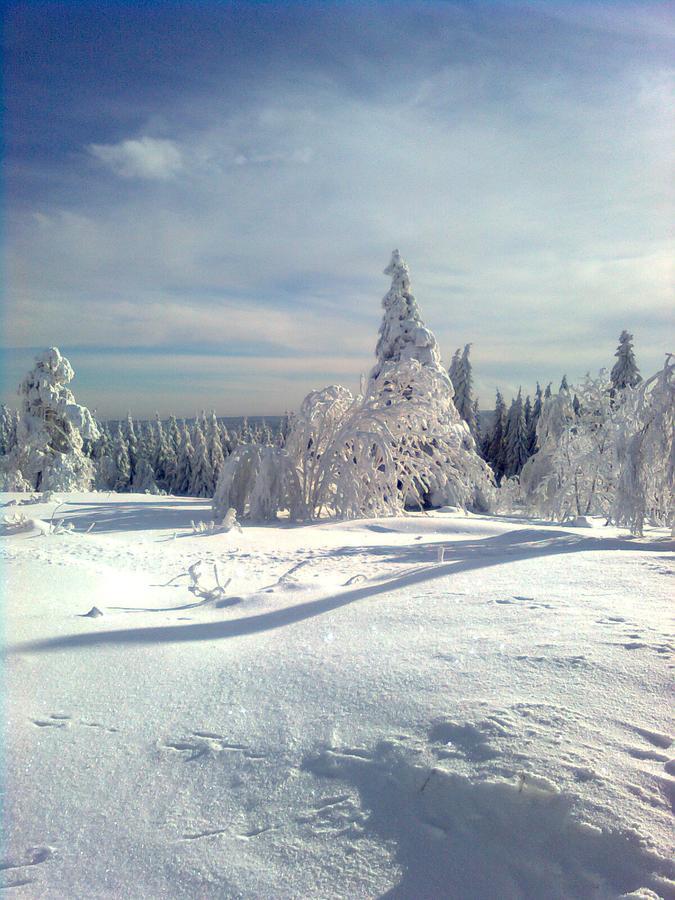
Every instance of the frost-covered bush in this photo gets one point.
(257, 482)
(574, 472)
(646, 453)
(52, 428)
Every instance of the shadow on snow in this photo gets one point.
(464, 556)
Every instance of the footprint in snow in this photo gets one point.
(31, 856)
(62, 720)
(208, 743)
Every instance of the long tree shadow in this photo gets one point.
(527, 544)
(170, 513)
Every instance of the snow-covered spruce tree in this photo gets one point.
(173, 435)
(105, 470)
(51, 429)
(646, 453)
(214, 445)
(8, 422)
(573, 471)
(132, 447)
(183, 477)
(496, 448)
(164, 460)
(625, 372)
(534, 419)
(201, 481)
(395, 447)
(515, 438)
(399, 444)
(120, 453)
(463, 385)
(453, 369)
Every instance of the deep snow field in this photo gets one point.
(354, 716)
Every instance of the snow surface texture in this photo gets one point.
(434, 706)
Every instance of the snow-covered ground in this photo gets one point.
(358, 715)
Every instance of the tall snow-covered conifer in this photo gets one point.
(52, 429)
(625, 372)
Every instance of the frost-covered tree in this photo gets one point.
(401, 443)
(463, 385)
(8, 421)
(201, 480)
(496, 447)
(132, 446)
(173, 435)
(105, 470)
(51, 429)
(403, 335)
(646, 453)
(625, 372)
(533, 420)
(515, 438)
(453, 369)
(120, 452)
(183, 477)
(258, 482)
(574, 470)
(214, 446)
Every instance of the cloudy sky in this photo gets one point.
(201, 198)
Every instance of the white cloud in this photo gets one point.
(146, 157)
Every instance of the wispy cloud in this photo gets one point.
(518, 157)
(144, 157)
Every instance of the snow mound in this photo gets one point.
(459, 836)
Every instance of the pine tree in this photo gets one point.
(548, 392)
(173, 435)
(625, 372)
(532, 423)
(164, 462)
(132, 447)
(403, 335)
(201, 480)
(215, 449)
(183, 478)
(564, 386)
(52, 429)
(453, 370)
(515, 438)
(463, 389)
(120, 453)
(496, 448)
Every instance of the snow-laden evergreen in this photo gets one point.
(515, 438)
(400, 443)
(495, 454)
(201, 471)
(51, 430)
(403, 335)
(625, 372)
(646, 453)
(462, 382)
(574, 472)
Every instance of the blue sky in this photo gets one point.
(200, 198)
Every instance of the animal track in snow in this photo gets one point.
(203, 743)
(61, 720)
(53, 720)
(335, 816)
(531, 602)
(32, 856)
